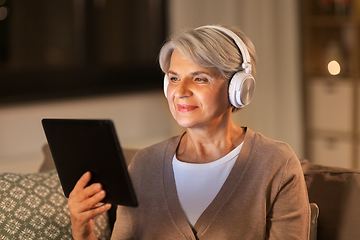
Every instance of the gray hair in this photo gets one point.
(209, 47)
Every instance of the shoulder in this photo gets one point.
(263, 146)
(273, 161)
(271, 146)
(268, 154)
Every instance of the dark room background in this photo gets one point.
(68, 48)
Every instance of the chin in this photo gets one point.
(185, 124)
(190, 123)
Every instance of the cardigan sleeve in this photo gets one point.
(289, 217)
(122, 228)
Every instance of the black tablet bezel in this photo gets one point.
(81, 145)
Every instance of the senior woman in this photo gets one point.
(217, 180)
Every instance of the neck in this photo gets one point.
(209, 144)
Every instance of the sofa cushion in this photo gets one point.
(33, 206)
(337, 193)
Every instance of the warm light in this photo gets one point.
(334, 67)
(3, 13)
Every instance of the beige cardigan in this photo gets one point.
(264, 197)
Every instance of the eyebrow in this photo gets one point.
(192, 74)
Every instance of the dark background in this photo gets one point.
(51, 49)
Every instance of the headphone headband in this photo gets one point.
(246, 65)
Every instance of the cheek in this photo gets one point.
(225, 95)
(220, 98)
(170, 92)
(171, 104)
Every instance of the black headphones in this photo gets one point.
(242, 83)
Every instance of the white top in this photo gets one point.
(198, 184)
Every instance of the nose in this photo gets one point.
(183, 89)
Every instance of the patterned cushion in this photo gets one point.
(33, 206)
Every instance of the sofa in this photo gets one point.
(33, 206)
(336, 192)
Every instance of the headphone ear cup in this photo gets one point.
(166, 83)
(241, 89)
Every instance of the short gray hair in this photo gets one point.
(209, 47)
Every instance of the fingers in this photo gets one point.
(82, 182)
(83, 223)
(90, 197)
(86, 216)
(86, 198)
(89, 208)
(95, 211)
(82, 192)
(84, 205)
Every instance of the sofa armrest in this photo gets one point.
(336, 191)
(314, 221)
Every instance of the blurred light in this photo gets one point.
(3, 13)
(334, 67)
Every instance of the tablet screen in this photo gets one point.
(81, 145)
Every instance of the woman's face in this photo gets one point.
(197, 96)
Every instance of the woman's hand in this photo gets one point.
(84, 207)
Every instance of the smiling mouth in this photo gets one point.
(185, 107)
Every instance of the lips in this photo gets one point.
(185, 107)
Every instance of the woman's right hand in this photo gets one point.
(84, 205)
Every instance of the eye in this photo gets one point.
(201, 80)
(174, 79)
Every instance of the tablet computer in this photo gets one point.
(81, 145)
